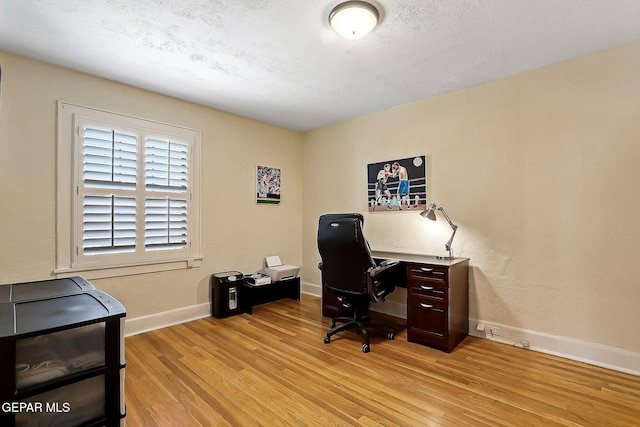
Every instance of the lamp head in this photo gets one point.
(430, 212)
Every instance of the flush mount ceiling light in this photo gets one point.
(353, 19)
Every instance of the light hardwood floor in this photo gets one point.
(273, 369)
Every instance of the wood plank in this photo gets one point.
(273, 369)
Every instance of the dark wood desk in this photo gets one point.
(437, 298)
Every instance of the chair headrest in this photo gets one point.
(341, 216)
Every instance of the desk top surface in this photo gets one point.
(418, 258)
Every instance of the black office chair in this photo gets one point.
(349, 271)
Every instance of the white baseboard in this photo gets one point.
(138, 325)
(606, 356)
(311, 289)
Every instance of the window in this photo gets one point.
(133, 190)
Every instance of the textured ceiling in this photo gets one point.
(278, 61)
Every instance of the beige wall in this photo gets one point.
(541, 171)
(236, 233)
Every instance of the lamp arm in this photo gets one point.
(448, 244)
(453, 226)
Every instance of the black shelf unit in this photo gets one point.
(61, 355)
(253, 295)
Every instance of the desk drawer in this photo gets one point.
(424, 273)
(427, 290)
(428, 321)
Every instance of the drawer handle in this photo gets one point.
(426, 270)
(423, 305)
(426, 288)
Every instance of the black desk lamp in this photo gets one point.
(430, 213)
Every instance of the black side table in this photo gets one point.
(252, 295)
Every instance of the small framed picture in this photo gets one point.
(267, 185)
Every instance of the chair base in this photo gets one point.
(356, 323)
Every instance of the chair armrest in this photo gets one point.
(382, 267)
(380, 280)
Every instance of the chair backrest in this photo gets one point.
(346, 256)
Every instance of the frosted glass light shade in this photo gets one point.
(353, 19)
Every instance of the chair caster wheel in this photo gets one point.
(390, 336)
(366, 348)
(327, 339)
(332, 324)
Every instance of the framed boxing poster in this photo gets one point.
(397, 185)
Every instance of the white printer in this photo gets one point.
(277, 271)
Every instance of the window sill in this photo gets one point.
(107, 271)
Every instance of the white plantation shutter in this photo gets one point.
(109, 224)
(111, 200)
(166, 165)
(165, 223)
(135, 197)
(166, 174)
(109, 175)
(109, 159)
